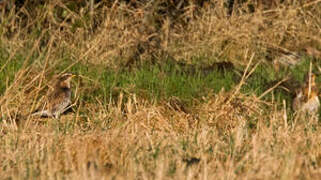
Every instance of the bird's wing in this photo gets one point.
(61, 106)
(41, 113)
(59, 101)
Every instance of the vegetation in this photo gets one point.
(164, 89)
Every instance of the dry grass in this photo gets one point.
(123, 135)
(145, 141)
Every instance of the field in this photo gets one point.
(163, 89)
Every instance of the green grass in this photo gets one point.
(159, 82)
(8, 68)
(153, 82)
(265, 77)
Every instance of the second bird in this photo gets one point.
(307, 99)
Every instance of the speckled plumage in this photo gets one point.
(58, 100)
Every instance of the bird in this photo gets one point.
(59, 98)
(306, 99)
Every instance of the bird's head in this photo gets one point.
(63, 81)
(310, 80)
